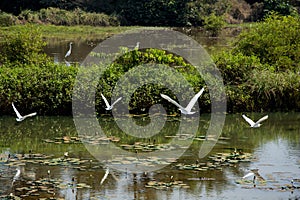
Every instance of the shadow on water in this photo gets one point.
(53, 162)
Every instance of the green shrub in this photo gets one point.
(261, 72)
(23, 47)
(46, 90)
(275, 90)
(214, 24)
(29, 16)
(236, 67)
(7, 19)
(148, 95)
(275, 41)
(58, 16)
(280, 6)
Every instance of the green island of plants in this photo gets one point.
(260, 72)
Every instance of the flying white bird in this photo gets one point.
(105, 176)
(108, 106)
(70, 50)
(254, 124)
(188, 108)
(20, 117)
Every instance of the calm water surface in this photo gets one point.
(275, 150)
(57, 48)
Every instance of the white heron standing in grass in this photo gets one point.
(188, 108)
(254, 124)
(108, 106)
(69, 51)
(20, 117)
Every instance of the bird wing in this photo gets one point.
(248, 175)
(248, 120)
(105, 176)
(16, 111)
(30, 115)
(262, 119)
(105, 100)
(172, 101)
(194, 100)
(116, 101)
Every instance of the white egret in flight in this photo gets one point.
(255, 124)
(188, 108)
(108, 106)
(19, 116)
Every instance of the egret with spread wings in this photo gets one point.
(254, 124)
(188, 109)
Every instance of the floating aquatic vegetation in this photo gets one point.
(97, 139)
(203, 137)
(164, 185)
(94, 140)
(181, 136)
(147, 147)
(63, 140)
(149, 161)
(47, 186)
(217, 161)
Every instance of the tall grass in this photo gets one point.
(56, 16)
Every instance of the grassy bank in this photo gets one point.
(70, 32)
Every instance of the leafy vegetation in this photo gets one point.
(214, 24)
(62, 32)
(275, 41)
(261, 71)
(23, 47)
(143, 12)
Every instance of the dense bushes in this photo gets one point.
(46, 90)
(7, 19)
(58, 16)
(275, 41)
(262, 70)
(23, 47)
(214, 24)
(146, 12)
(77, 17)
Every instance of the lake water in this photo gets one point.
(57, 48)
(37, 147)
